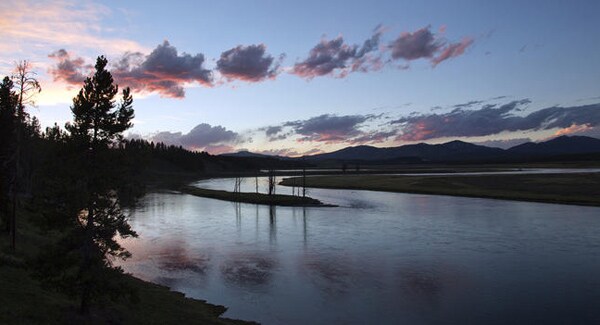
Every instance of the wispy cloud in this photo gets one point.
(424, 44)
(337, 58)
(28, 24)
(326, 128)
(329, 128)
(574, 129)
(504, 144)
(452, 50)
(373, 137)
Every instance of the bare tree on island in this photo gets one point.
(272, 180)
(27, 86)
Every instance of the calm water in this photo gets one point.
(379, 258)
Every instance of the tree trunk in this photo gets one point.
(87, 263)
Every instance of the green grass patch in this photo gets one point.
(578, 188)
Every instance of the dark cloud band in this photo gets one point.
(493, 119)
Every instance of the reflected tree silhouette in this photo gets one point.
(304, 233)
(272, 223)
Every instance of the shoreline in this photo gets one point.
(574, 189)
(254, 198)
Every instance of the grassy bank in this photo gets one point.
(255, 198)
(578, 189)
(24, 300)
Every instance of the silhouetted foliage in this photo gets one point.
(19, 137)
(8, 122)
(82, 197)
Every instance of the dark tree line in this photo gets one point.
(19, 135)
(74, 181)
(69, 182)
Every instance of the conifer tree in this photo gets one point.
(98, 124)
(85, 193)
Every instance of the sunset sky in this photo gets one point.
(293, 78)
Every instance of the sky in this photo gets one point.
(294, 78)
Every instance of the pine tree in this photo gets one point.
(85, 192)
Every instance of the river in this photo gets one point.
(378, 258)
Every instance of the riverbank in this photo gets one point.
(25, 300)
(576, 189)
(254, 198)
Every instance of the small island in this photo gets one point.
(255, 198)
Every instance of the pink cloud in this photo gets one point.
(574, 128)
(163, 71)
(219, 149)
(452, 50)
(69, 70)
(337, 58)
(424, 44)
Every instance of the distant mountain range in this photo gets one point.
(453, 151)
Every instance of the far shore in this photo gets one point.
(575, 188)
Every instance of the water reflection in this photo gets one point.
(330, 275)
(248, 270)
(272, 224)
(381, 258)
(304, 232)
(175, 257)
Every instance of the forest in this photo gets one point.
(63, 191)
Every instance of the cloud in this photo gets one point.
(219, 149)
(275, 133)
(574, 129)
(248, 63)
(288, 152)
(273, 130)
(423, 44)
(335, 57)
(204, 134)
(468, 104)
(313, 151)
(163, 71)
(28, 24)
(493, 119)
(452, 50)
(416, 45)
(373, 137)
(329, 128)
(504, 144)
(214, 139)
(71, 71)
